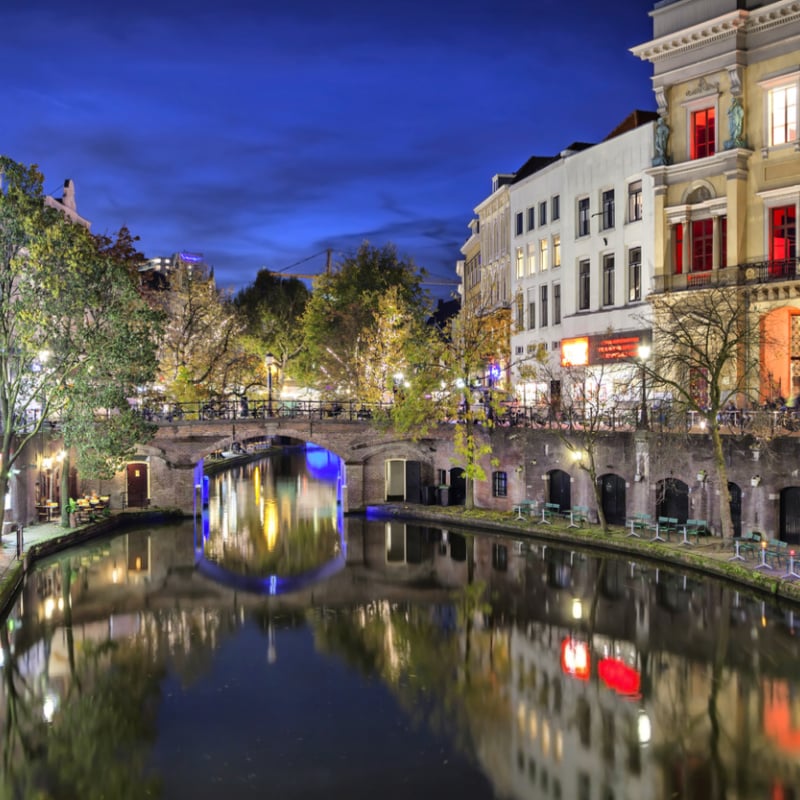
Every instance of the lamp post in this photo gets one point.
(270, 361)
(644, 354)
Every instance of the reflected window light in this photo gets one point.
(577, 608)
(533, 726)
(643, 727)
(558, 746)
(49, 706)
(546, 738)
(521, 714)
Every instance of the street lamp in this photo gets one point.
(270, 362)
(644, 354)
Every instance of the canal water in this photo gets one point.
(274, 648)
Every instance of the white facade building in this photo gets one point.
(582, 262)
(495, 254)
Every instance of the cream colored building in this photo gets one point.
(727, 165)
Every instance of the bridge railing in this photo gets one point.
(350, 410)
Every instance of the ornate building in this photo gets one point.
(726, 170)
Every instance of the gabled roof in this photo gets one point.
(635, 119)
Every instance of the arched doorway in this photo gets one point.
(790, 515)
(672, 499)
(612, 488)
(458, 486)
(736, 507)
(560, 489)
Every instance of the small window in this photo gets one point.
(703, 133)
(520, 312)
(782, 111)
(520, 258)
(542, 213)
(531, 218)
(556, 251)
(499, 484)
(583, 216)
(608, 209)
(782, 239)
(543, 307)
(584, 285)
(677, 238)
(519, 223)
(634, 274)
(531, 258)
(556, 304)
(531, 309)
(608, 280)
(543, 260)
(555, 208)
(702, 244)
(634, 201)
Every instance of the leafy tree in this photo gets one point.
(702, 359)
(446, 382)
(272, 309)
(340, 321)
(76, 337)
(199, 355)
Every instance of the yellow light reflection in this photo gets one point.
(271, 524)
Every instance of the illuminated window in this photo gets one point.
(634, 274)
(782, 111)
(555, 208)
(556, 304)
(608, 209)
(583, 216)
(702, 244)
(782, 239)
(520, 254)
(556, 251)
(542, 213)
(519, 223)
(543, 307)
(531, 218)
(703, 133)
(531, 258)
(634, 201)
(608, 280)
(575, 352)
(543, 261)
(677, 238)
(584, 285)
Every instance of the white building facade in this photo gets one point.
(582, 264)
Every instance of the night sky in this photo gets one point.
(261, 133)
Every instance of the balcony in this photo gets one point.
(749, 273)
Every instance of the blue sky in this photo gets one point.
(261, 133)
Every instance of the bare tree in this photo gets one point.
(705, 355)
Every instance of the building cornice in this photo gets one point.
(723, 27)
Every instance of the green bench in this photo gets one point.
(549, 510)
(577, 515)
(638, 522)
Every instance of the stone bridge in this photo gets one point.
(172, 460)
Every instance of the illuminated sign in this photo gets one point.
(575, 659)
(585, 350)
(575, 352)
(617, 675)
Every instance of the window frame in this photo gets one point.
(519, 255)
(706, 102)
(785, 80)
(555, 208)
(542, 213)
(556, 250)
(543, 306)
(634, 275)
(583, 216)
(519, 224)
(531, 218)
(544, 254)
(531, 309)
(635, 201)
(609, 277)
(499, 483)
(556, 304)
(607, 206)
(584, 284)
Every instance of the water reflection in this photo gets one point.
(275, 524)
(444, 662)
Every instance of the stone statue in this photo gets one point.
(735, 124)
(662, 140)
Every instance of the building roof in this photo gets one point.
(634, 120)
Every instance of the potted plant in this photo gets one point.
(72, 509)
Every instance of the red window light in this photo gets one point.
(703, 133)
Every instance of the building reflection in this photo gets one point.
(563, 674)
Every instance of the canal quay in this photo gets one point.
(706, 554)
